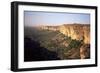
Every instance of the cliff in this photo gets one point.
(77, 31)
(68, 41)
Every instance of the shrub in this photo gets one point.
(73, 44)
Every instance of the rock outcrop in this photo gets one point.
(76, 31)
(85, 51)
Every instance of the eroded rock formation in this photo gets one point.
(77, 31)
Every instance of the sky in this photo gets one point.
(34, 18)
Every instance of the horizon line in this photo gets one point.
(59, 24)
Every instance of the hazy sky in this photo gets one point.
(33, 18)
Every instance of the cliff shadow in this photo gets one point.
(34, 52)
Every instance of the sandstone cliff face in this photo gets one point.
(86, 30)
(76, 31)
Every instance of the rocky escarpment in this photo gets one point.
(79, 44)
(77, 31)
